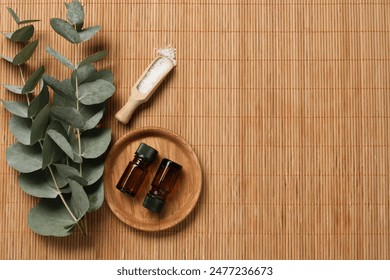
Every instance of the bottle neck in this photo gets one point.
(142, 163)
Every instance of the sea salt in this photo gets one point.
(158, 70)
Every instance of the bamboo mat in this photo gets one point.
(286, 103)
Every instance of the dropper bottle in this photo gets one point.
(136, 170)
(162, 185)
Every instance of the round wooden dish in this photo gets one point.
(187, 189)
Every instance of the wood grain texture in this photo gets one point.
(286, 103)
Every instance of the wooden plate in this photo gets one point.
(187, 188)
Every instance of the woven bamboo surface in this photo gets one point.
(286, 103)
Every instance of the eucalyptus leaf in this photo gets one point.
(87, 33)
(6, 58)
(71, 173)
(93, 58)
(82, 74)
(33, 80)
(68, 115)
(65, 29)
(21, 129)
(14, 15)
(103, 75)
(79, 202)
(25, 53)
(38, 184)
(93, 170)
(23, 34)
(58, 87)
(39, 125)
(60, 100)
(16, 108)
(94, 120)
(61, 181)
(58, 134)
(60, 58)
(39, 102)
(68, 88)
(14, 89)
(95, 92)
(28, 21)
(95, 142)
(24, 159)
(95, 195)
(51, 153)
(75, 13)
(50, 218)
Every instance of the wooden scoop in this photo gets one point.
(149, 81)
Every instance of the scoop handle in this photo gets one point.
(125, 113)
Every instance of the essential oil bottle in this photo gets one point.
(136, 170)
(162, 185)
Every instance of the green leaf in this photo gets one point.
(71, 173)
(38, 184)
(58, 134)
(103, 75)
(6, 58)
(16, 108)
(68, 115)
(28, 21)
(24, 159)
(39, 125)
(95, 195)
(14, 15)
(33, 80)
(93, 58)
(64, 29)
(95, 92)
(93, 170)
(61, 181)
(58, 87)
(50, 218)
(25, 53)
(51, 153)
(88, 33)
(22, 35)
(60, 58)
(82, 73)
(39, 102)
(94, 120)
(21, 129)
(95, 142)
(75, 13)
(79, 201)
(14, 89)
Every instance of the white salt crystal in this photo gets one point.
(158, 70)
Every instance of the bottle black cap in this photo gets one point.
(146, 152)
(153, 203)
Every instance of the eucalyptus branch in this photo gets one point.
(50, 169)
(46, 153)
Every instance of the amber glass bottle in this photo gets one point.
(136, 170)
(162, 185)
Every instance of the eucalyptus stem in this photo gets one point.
(80, 226)
(78, 130)
(24, 82)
